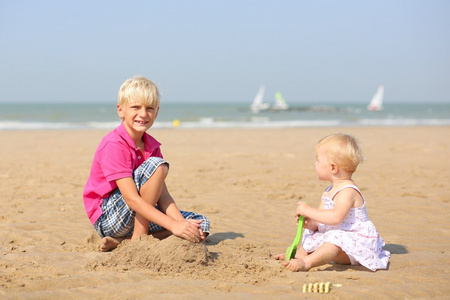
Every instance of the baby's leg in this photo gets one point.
(297, 264)
(325, 254)
(300, 253)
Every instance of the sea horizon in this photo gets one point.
(58, 116)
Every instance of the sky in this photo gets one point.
(222, 51)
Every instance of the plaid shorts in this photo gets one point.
(117, 219)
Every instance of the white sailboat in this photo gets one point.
(258, 104)
(377, 100)
(280, 103)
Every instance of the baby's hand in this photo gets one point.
(311, 224)
(301, 210)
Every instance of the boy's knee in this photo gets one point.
(163, 169)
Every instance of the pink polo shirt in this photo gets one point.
(116, 157)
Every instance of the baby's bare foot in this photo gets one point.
(280, 256)
(109, 243)
(295, 265)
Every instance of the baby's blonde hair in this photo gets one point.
(138, 89)
(343, 150)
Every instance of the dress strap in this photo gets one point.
(348, 186)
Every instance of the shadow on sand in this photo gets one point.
(216, 238)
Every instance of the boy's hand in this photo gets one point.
(189, 230)
(200, 231)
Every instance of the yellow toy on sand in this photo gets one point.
(319, 287)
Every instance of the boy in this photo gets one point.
(125, 195)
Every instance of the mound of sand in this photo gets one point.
(244, 262)
(169, 256)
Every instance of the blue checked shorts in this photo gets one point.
(117, 219)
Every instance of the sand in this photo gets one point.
(248, 183)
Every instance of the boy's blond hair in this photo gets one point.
(343, 150)
(138, 89)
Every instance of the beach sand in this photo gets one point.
(248, 183)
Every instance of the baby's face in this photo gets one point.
(322, 165)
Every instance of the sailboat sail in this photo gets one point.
(258, 104)
(259, 96)
(280, 103)
(377, 100)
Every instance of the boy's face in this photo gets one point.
(137, 117)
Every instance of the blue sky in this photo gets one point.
(221, 51)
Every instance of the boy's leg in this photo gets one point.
(150, 192)
(117, 221)
(109, 243)
(146, 173)
(162, 234)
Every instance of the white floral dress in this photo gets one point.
(356, 236)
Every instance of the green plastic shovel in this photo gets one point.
(290, 252)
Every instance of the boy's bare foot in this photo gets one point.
(280, 256)
(295, 265)
(110, 243)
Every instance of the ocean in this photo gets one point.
(25, 116)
